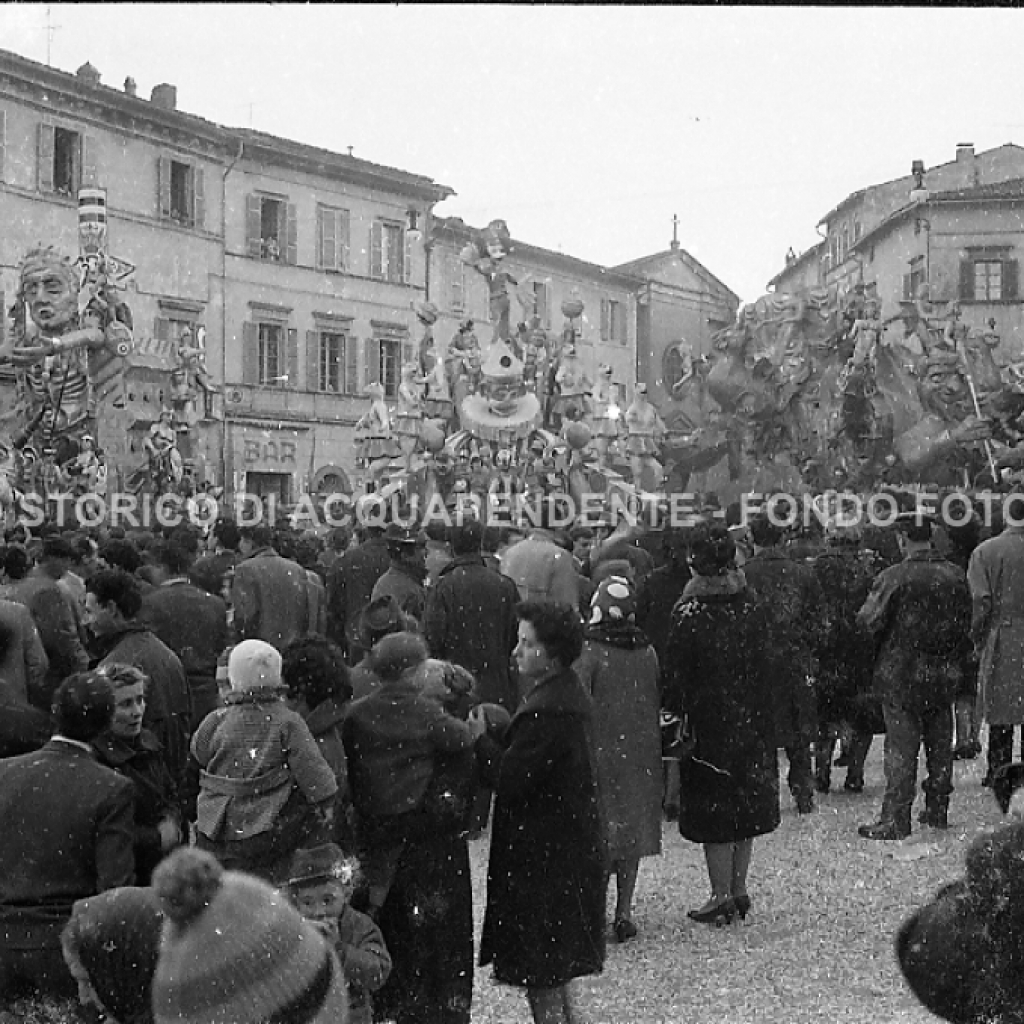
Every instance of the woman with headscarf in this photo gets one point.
(715, 678)
(111, 946)
(619, 669)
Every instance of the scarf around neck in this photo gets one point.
(731, 582)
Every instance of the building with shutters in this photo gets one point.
(546, 279)
(837, 259)
(966, 244)
(324, 260)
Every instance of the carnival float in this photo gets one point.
(69, 339)
(804, 392)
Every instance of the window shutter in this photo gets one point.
(3, 140)
(1010, 280)
(88, 177)
(199, 198)
(376, 249)
(163, 186)
(371, 361)
(606, 312)
(291, 235)
(253, 225)
(327, 245)
(906, 286)
(250, 353)
(544, 305)
(293, 359)
(44, 169)
(408, 353)
(343, 240)
(406, 257)
(313, 381)
(967, 279)
(350, 385)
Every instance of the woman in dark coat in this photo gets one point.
(716, 677)
(135, 752)
(314, 671)
(545, 918)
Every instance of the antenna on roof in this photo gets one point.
(50, 30)
(675, 231)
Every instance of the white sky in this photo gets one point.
(585, 127)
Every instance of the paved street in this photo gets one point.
(817, 946)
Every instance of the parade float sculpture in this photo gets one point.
(68, 337)
(815, 390)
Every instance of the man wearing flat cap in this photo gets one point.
(405, 579)
(920, 614)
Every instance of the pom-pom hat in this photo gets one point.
(234, 951)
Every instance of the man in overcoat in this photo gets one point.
(350, 584)
(919, 611)
(471, 620)
(67, 834)
(793, 600)
(996, 577)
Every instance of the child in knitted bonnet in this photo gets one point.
(265, 788)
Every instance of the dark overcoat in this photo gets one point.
(717, 674)
(67, 834)
(141, 761)
(792, 598)
(193, 624)
(350, 582)
(920, 613)
(470, 620)
(846, 656)
(545, 919)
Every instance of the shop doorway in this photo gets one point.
(272, 490)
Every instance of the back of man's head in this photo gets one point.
(260, 536)
(121, 553)
(171, 557)
(765, 532)
(467, 538)
(227, 534)
(114, 585)
(16, 561)
(83, 706)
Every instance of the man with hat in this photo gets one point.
(350, 583)
(920, 613)
(406, 576)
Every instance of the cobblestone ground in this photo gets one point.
(818, 943)
(816, 947)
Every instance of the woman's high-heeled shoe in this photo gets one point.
(742, 901)
(720, 912)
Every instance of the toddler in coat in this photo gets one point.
(320, 884)
(264, 785)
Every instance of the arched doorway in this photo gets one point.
(330, 480)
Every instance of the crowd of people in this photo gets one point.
(239, 774)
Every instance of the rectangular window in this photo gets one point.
(332, 233)
(332, 362)
(67, 155)
(915, 279)
(541, 303)
(182, 193)
(988, 280)
(271, 356)
(272, 229)
(390, 365)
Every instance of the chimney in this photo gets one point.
(88, 74)
(165, 96)
(130, 87)
(965, 160)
